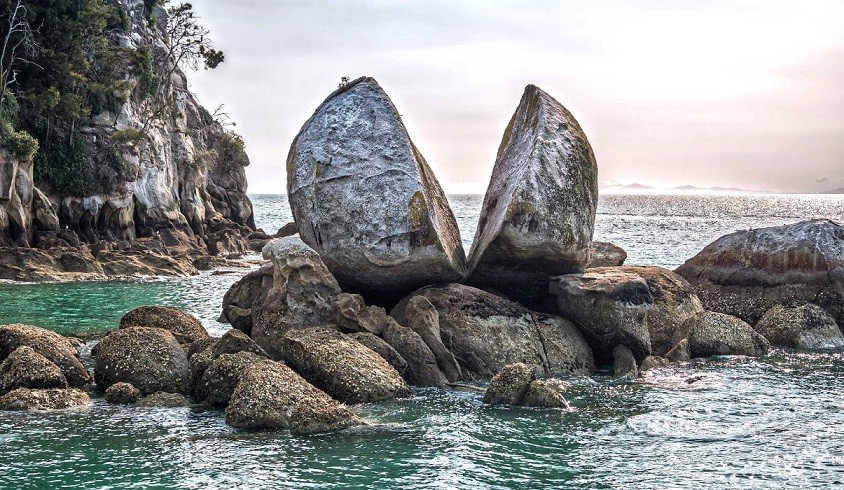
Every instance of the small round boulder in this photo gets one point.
(149, 358)
(183, 326)
(806, 326)
(25, 368)
(122, 394)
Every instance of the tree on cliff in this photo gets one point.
(188, 45)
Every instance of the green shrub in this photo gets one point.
(20, 143)
(233, 150)
(131, 136)
(66, 167)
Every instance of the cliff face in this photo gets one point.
(181, 184)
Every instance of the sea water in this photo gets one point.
(771, 422)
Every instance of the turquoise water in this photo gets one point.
(751, 423)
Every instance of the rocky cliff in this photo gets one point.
(176, 184)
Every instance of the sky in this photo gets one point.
(709, 93)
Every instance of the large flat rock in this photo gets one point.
(363, 196)
(748, 272)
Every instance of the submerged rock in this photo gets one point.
(51, 399)
(342, 367)
(538, 213)
(270, 395)
(516, 385)
(643, 308)
(748, 272)
(300, 296)
(163, 399)
(54, 347)
(485, 332)
(624, 363)
(363, 196)
(25, 368)
(717, 334)
(804, 327)
(605, 254)
(183, 326)
(149, 358)
(508, 386)
(680, 352)
(122, 394)
(546, 393)
(653, 362)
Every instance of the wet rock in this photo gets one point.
(363, 196)
(56, 264)
(227, 243)
(610, 306)
(423, 319)
(243, 295)
(353, 315)
(422, 368)
(624, 363)
(149, 358)
(183, 326)
(270, 395)
(509, 386)
(748, 272)
(717, 334)
(342, 367)
(235, 341)
(54, 347)
(25, 368)
(134, 263)
(44, 216)
(122, 394)
(485, 332)
(516, 385)
(52, 399)
(289, 229)
(383, 349)
(806, 326)
(538, 213)
(653, 362)
(546, 393)
(300, 296)
(643, 308)
(239, 318)
(605, 254)
(220, 379)
(680, 352)
(198, 363)
(201, 345)
(163, 399)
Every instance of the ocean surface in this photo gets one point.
(772, 422)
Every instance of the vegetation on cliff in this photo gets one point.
(63, 63)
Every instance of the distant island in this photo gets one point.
(642, 187)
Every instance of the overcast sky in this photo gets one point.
(721, 93)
